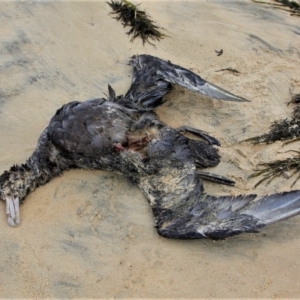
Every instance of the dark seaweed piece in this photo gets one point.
(295, 99)
(293, 6)
(219, 53)
(278, 168)
(234, 71)
(289, 3)
(288, 129)
(140, 23)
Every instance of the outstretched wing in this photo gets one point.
(221, 217)
(181, 208)
(152, 79)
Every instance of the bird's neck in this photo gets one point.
(23, 179)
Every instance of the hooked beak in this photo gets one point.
(12, 210)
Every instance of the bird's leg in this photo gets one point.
(210, 139)
(12, 210)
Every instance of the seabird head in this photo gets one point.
(17, 183)
(10, 185)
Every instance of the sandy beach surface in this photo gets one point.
(90, 234)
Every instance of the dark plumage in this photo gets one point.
(125, 135)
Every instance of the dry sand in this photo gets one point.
(90, 234)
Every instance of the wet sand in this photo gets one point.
(90, 234)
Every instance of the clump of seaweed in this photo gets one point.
(140, 23)
(295, 99)
(293, 6)
(288, 129)
(277, 168)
